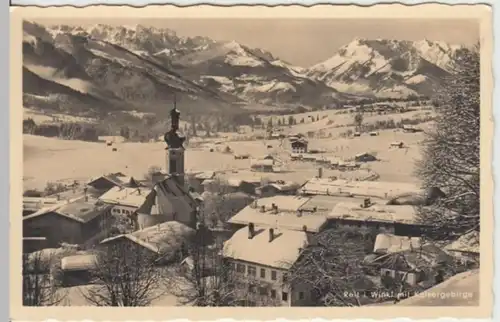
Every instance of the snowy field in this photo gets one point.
(51, 159)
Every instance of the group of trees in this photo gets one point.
(72, 131)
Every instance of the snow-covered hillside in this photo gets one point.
(387, 67)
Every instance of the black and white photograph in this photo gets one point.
(250, 162)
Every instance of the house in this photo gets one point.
(397, 144)
(79, 222)
(108, 181)
(295, 156)
(389, 243)
(364, 189)
(262, 257)
(299, 145)
(278, 188)
(465, 248)
(413, 265)
(397, 220)
(196, 180)
(167, 241)
(374, 133)
(364, 157)
(309, 157)
(167, 201)
(285, 212)
(124, 200)
(77, 269)
(262, 165)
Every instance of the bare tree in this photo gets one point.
(206, 279)
(124, 275)
(451, 158)
(358, 120)
(221, 204)
(38, 286)
(332, 266)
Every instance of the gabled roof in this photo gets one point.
(374, 213)
(161, 238)
(81, 211)
(158, 199)
(126, 196)
(282, 252)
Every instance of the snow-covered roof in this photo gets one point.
(466, 243)
(126, 196)
(79, 262)
(282, 252)
(459, 290)
(287, 216)
(81, 210)
(161, 238)
(374, 213)
(388, 243)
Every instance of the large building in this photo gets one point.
(80, 222)
(261, 258)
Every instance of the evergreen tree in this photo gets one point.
(451, 159)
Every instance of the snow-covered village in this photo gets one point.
(164, 167)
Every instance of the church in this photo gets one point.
(169, 200)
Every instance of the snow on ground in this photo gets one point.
(50, 159)
(273, 86)
(417, 79)
(40, 117)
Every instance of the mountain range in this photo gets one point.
(101, 68)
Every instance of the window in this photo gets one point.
(252, 271)
(251, 288)
(172, 166)
(240, 268)
(274, 275)
(262, 273)
(301, 295)
(284, 296)
(284, 278)
(262, 291)
(273, 294)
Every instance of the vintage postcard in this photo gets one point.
(205, 161)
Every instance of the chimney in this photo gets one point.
(320, 172)
(58, 197)
(262, 208)
(299, 213)
(304, 228)
(251, 230)
(138, 191)
(315, 209)
(271, 234)
(255, 204)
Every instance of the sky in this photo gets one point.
(305, 42)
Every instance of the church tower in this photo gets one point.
(175, 149)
